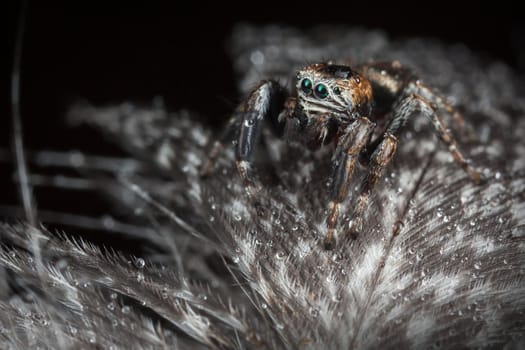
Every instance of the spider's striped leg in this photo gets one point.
(385, 149)
(434, 97)
(416, 103)
(227, 135)
(354, 139)
(265, 102)
(381, 156)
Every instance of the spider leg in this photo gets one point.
(227, 134)
(380, 157)
(264, 103)
(418, 103)
(433, 96)
(354, 139)
(385, 149)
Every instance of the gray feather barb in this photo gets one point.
(227, 274)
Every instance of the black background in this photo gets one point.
(110, 52)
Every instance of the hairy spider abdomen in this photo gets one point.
(388, 80)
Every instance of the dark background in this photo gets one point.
(107, 53)
(110, 51)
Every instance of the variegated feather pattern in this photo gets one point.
(230, 272)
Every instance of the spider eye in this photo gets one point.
(321, 91)
(337, 91)
(306, 86)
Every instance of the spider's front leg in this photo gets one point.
(355, 137)
(264, 103)
(384, 149)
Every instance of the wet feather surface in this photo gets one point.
(231, 273)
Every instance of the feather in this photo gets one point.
(230, 273)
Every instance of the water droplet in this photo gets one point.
(140, 277)
(336, 257)
(264, 306)
(111, 306)
(279, 255)
(236, 259)
(62, 264)
(497, 175)
(472, 223)
(257, 57)
(164, 293)
(477, 318)
(295, 227)
(505, 262)
(314, 312)
(439, 212)
(108, 222)
(212, 218)
(477, 266)
(76, 159)
(237, 217)
(126, 309)
(140, 263)
(501, 220)
(213, 207)
(73, 330)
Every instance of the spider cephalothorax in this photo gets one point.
(333, 90)
(335, 103)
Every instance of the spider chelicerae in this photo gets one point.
(336, 103)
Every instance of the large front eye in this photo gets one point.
(306, 86)
(321, 91)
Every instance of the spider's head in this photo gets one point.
(328, 89)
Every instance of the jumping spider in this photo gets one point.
(336, 103)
